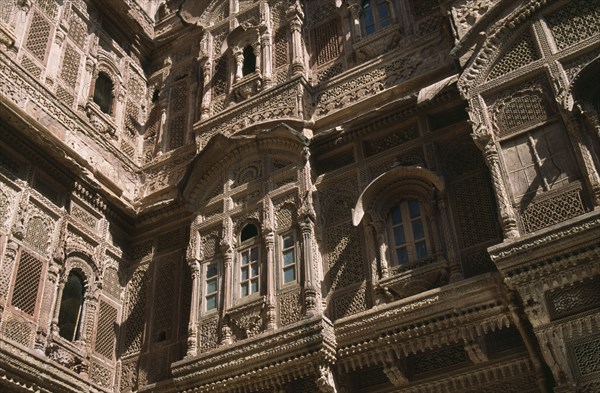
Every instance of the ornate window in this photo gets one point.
(211, 287)
(249, 261)
(375, 15)
(289, 265)
(71, 307)
(103, 93)
(408, 232)
(539, 160)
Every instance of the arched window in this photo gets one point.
(249, 65)
(408, 231)
(249, 261)
(103, 92)
(71, 307)
(375, 15)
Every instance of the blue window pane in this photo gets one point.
(288, 258)
(211, 286)
(421, 249)
(288, 242)
(402, 255)
(254, 269)
(417, 227)
(254, 286)
(254, 252)
(414, 209)
(399, 235)
(245, 273)
(211, 302)
(396, 215)
(289, 275)
(245, 288)
(211, 271)
(383, 13)
(245, 258)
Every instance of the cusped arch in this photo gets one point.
(83, 262)
(414, 180)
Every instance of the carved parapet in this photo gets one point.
(99, 120)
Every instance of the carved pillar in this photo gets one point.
(238, 55)
(455, 268)
(354, 18)
(54, 56)
(192, 341)
(257, 54)
(269, 237)
(379, 230)
(295, 15)
(227, 251)
(267, 55)
(206, 66)
(90, 306)
(86, 88)
(585, 158)
(485, 142)
(54, 330)
(10, 255)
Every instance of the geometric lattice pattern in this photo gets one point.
(31, 67)
(344, 255)
(208, 334)
(476, 261)
(431, 361)
(65, 96)
(348, 303)
(70, 66)
(521, 110)
(176, 132)
(281, 47)
(110, 283)
(575, 22)
(27, 283)
(77, 30)
(165, 302)
(521, 53)
(49, 7)
(106, 330)
(290, 307)
(220, 76)
(38, 38)
(136, 303)
(587, 356)
(38, 234)
(550, 211)
(574, 299)
(18, 331)
(326, 41)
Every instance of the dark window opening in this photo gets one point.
(375, 15)
(71, 307)
(162, 336)
(249, 65)
(103, 95)
(248, 232)
(155, 95)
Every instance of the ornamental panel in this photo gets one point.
(106, 330)
(27, 282)
(521, 53)
(577, 21)
(574, 299)
(38, 37)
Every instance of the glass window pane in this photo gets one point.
(254, 269)
(245, 258)
(399, 235)
(211, 302)
(245, 273)
(289, 275)
(211, 286)
(288, 258)
(254, 252)
(414, 209)
(417, 227)
(255, 285)
(384, 13)
(421, 248)
(396, 215)
(402, 255)
(211, 271)
(288, 241)
(245, 288)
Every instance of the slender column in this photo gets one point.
(294, 16)
(379, 228)
(269, 237)
(238, 54)
(257, 54)
(455, 268)
(485, 141)
(206, 95)
(354, 8)
(54, 56)
(227, 251)
(267, 55)
(54, 330)
(192, 341)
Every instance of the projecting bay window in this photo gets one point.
(408, 231)
(289, 267)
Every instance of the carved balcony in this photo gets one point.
(407, 280)
(247, 86)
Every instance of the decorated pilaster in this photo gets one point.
(454, 265)
(55, 51)
(267, 54)
(192, 258)
(484, 140)
(295, 16)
